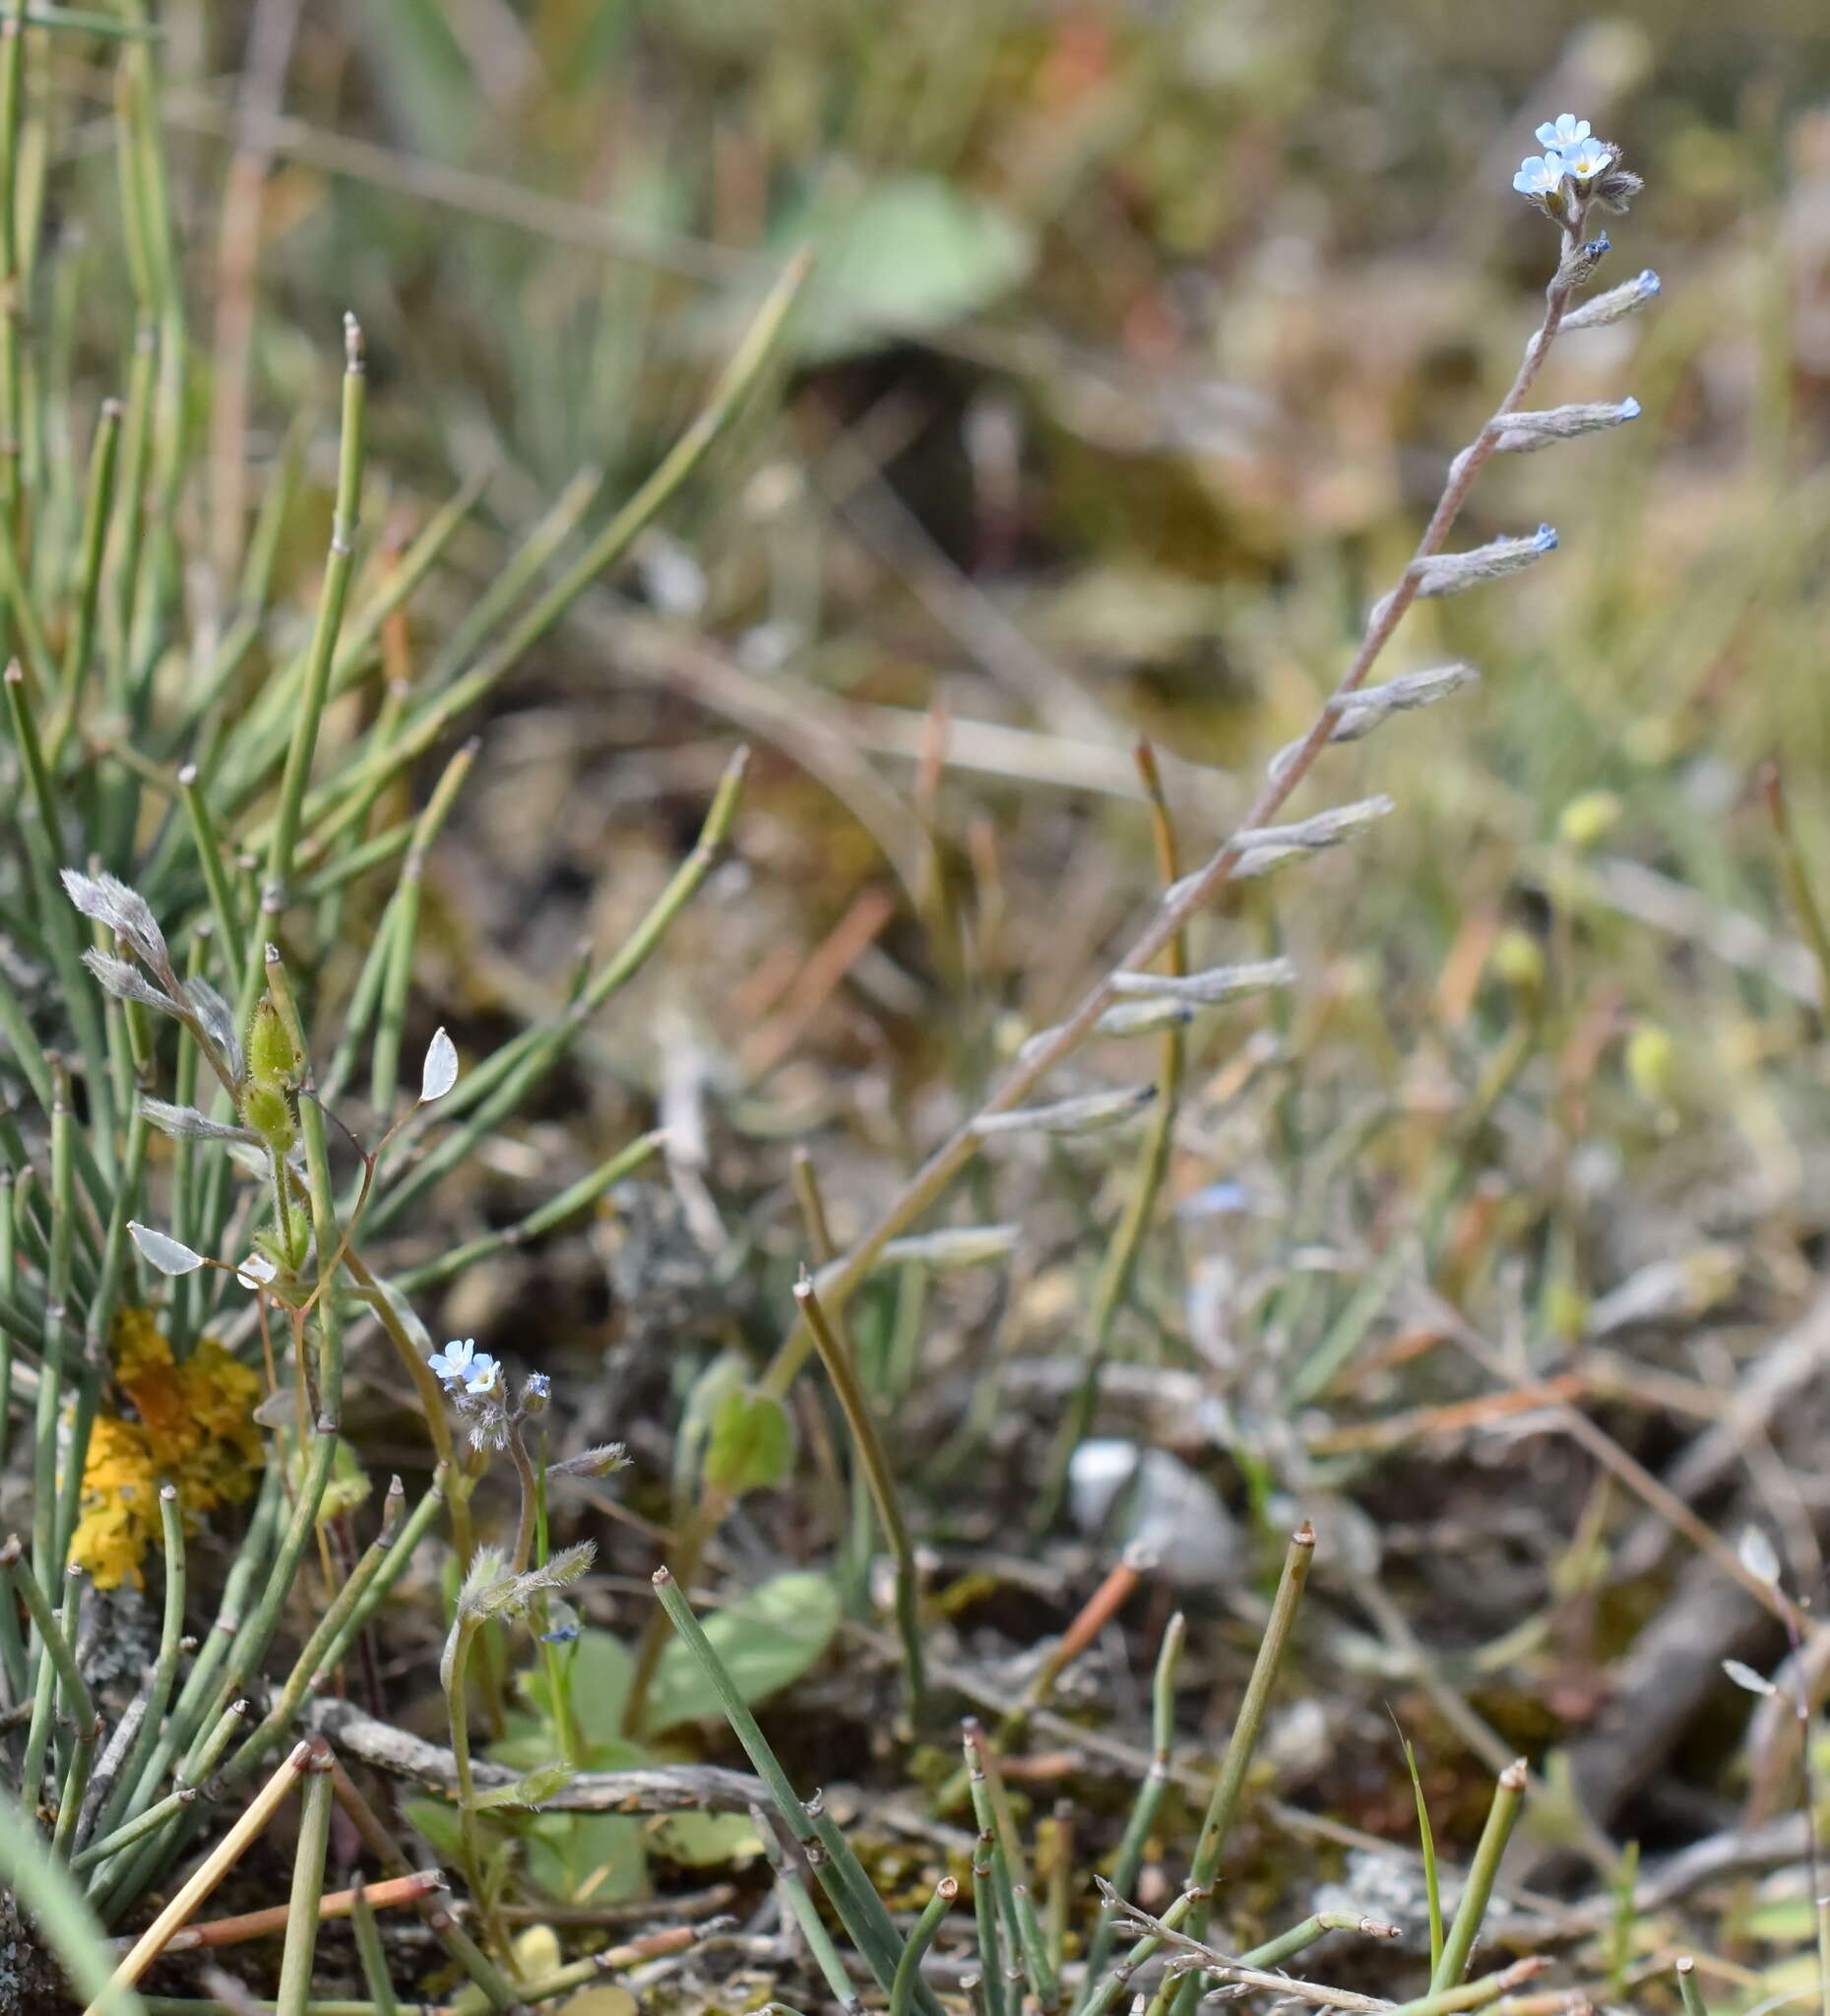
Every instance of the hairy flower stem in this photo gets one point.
(469, 1837)
(530, 1498)
(925, 1188)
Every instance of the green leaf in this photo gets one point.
(704, 1840)
(725, 1375)
(437, 1822)
(533, 1789)
(599, 1855)
(766, 1639)
(752, 1442)
(599, 1681)
(910, 254)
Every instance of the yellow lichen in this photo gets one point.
(191, 1423)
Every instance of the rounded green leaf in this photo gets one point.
(766, 1640)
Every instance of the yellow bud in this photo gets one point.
(1519, 960)
(1652, 1062)
(1566, 1309)
(1588, 819)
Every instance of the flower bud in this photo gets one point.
(1525, 433)
(1626, 299)
(1450, 573)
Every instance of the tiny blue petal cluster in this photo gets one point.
(462, 1364)
(1565, 131)
(1539, 175)
(1571, 153)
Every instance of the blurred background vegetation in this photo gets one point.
(1139, 338)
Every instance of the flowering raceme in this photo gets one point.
(191, 1423)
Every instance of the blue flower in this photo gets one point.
(1539, 175)
(453, 1364)
(1587, 160)
(484, 1374)
(1565, 132)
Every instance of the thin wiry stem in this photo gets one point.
(1194, 892)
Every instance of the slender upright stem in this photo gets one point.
(1509, 1795)
(908, 1966)
(875, 1460)
(330, 601)
(1195, 891)
(301, 1920)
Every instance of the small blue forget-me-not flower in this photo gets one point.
(452, 1365)
(1540, 174)
(1563, 133)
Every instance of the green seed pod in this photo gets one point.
(269, 1112)
(272, 1059)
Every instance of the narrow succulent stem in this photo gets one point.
(45, 1563)
(568, 1204)
(1230, 1783)
(403, 932)
(992, 1807)
(1129, 1859)
(1458, 1944)
(850, 1891)
(389, 964)
(745, 369)
(216, 1865)
(1687, 1989)
(372, 1953)
(1223, 1802)
(42, 1884)
(330, 619)
(1474, 1994)
(985, 1906)
(806, 1916)
(469, 1834)
(908, 1966)
(165, 1668)
(301, 1923)
(134, 1830)
(79, 641)
(1286, 1946)
(483, 1098)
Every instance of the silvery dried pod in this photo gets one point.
(126, 983)
(124, 910)
(1265, 847)
(218, 1022)
(1155, 1501)
(186, 1123)
(1362, 711)
(1626, 299)
(959, 1246)
(1141, 1018)
(1211, 986)
(1087, 1114)
(1526, 433)
(1450, 573)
